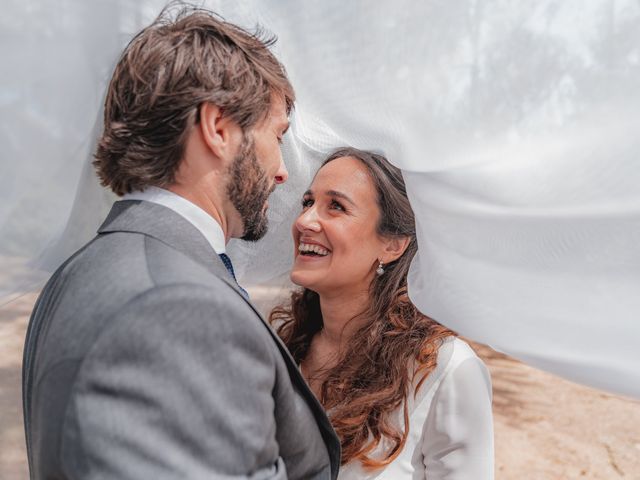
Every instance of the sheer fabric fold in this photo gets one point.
(515, 126)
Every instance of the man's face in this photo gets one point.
(257, 169)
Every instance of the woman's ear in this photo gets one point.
(221, 134)
(394, 248)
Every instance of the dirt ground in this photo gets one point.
(546, 428)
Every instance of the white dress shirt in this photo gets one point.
(205, 223)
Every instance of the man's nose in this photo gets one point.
(282, 174)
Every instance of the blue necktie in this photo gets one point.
(227, 263)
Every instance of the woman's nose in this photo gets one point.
(308, 220)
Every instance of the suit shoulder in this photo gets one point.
(206, 302)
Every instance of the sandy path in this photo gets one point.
(13, 324)
(549, 428)
(546, 428)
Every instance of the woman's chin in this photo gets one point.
(301, 278)
(295, 277)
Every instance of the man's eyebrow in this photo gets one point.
(307, 193)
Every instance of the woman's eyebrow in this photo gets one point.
(332, 193)
(344, 196)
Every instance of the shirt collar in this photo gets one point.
(200, 219)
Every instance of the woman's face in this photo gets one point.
(337, 248)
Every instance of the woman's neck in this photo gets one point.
(341, 317)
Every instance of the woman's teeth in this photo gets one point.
(310, 249)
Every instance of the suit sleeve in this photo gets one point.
(458, 441)
(178, 386)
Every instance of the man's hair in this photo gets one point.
(163, 76)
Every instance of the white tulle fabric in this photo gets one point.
(515, 124)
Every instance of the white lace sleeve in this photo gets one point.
(458, 437)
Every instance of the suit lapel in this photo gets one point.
(329, 435)
(167, 226)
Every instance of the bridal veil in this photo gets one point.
(515, 124)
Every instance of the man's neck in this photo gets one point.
(211, 205)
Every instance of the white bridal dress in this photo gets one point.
(450, 424)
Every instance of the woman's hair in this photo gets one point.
(396, 345)
(165, 73)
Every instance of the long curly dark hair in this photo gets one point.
(395, 346)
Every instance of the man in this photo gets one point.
(144, 358)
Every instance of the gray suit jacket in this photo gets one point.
(144, 361)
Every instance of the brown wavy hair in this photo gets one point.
(396, 346)
(166, 72)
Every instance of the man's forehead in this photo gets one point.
(278, 109)
(278, 114)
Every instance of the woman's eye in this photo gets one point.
(306, 202)
(336, 205)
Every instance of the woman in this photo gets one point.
(407, 398)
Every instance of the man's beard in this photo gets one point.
(248, 189)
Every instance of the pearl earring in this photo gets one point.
(379, 270)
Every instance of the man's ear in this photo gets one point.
(394, 248)
(221, 134)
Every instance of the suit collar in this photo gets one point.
(205, 223)
(169, 227)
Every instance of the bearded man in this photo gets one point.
(144, 357)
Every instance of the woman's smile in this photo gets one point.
(310, 250)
